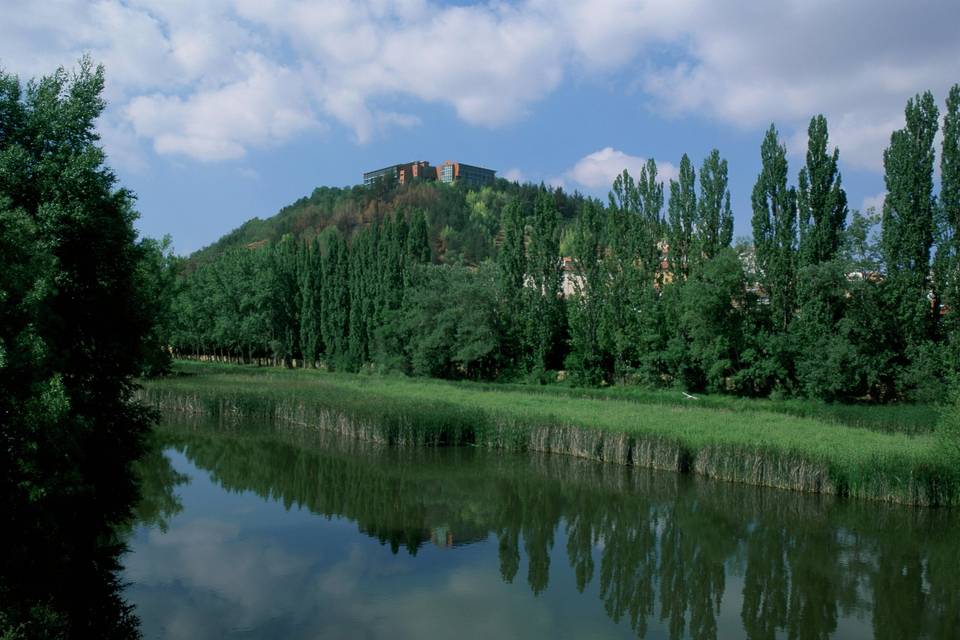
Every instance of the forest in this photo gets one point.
(528, 283)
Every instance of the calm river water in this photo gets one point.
(252, 531)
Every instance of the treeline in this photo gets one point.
(648, 289)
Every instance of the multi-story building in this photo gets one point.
(403, 173)
(449, 171)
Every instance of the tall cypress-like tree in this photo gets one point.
(825, 357)
(588, 362)
(681, 218)
(336, 300)
(545, 310)
(775, 230)
(418, 239)
(948, 251)
(821, 200)
(714, 225)
(511, 275)
(311, 300)
(908, 218)
(285, 301)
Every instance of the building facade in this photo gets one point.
(449, 172)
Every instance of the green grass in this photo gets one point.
(792, 445)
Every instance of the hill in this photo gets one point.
(463, 221)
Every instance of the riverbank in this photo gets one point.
(715, 438)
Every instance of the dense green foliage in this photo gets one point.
(513, 282)
(81, 312)
(802, 446)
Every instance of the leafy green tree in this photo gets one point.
(511, 276)
(157, 274)
(285, 302)
(73, 325)
(826, 360)
(335, 322)
(908, 219)
(714, 223)
(948, 250)
(545, 310)
(821, 200)
(775, 231)
(681, 220)
(714, 306)
(311, 300)
(588, 362)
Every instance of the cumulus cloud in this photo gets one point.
(875, 202)
(513, 175)
(214, 79)
(597, 170)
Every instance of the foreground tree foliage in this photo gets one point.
(513, 282)
(77, 300)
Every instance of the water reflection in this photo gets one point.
(666, 555)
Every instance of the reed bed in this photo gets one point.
(747, 445)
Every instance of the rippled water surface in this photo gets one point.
(280, 532)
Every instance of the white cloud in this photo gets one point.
(180, 74)
(267, 106)
(513, 175)
(874, 201)
(597, 170)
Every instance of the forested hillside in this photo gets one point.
(464, 223)
(525, 282)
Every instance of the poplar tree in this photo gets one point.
(285, 301)
(821, 200)
(714, 223)
(825, 356)
(311, 300)
(948, 251)
(544, 311)
(588, 361)
(908, 219)
(418, 240)
(681, 218)
(774, 230)
(511, 275)
(336, 299)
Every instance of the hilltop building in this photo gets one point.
(449, 172)
(403, 173)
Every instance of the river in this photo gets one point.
(255, 531)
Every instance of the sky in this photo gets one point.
(222, 110)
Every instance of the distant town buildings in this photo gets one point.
(449, 172)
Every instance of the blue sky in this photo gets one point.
(228, 109)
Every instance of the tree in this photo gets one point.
(545, 307)
(714, 225)
(73, 323)
(682, 216)
(821, 201)
(511, 275)
(826, 361)
(948, 250)
(285, 302)
(589, 363)
(908, 219)
(774, 230)
(336, 300)
(311, 300)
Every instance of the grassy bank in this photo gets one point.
(729, 440)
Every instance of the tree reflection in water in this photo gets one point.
(663, 546)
